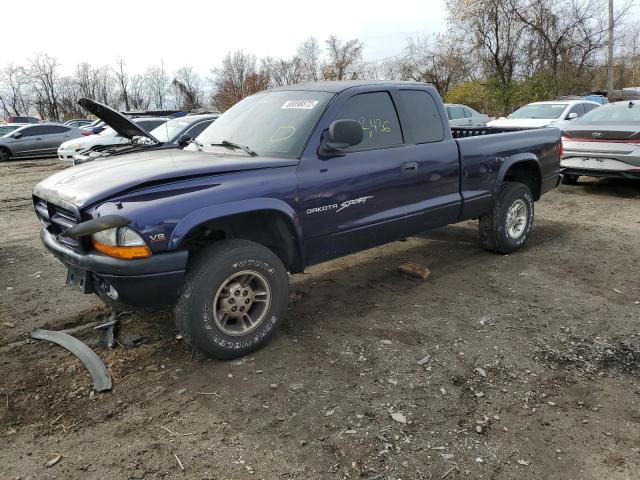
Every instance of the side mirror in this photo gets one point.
(17, 135)
(342, 134)
(572, 116)
(184, 139)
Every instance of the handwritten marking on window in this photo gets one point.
(282, 134)
(374, 125)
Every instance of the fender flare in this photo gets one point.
(510, 162)
(220, 211)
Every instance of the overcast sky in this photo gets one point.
(200, 33)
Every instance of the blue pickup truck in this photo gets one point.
(285, 179)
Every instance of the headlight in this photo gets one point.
(122, 242)
(74, 146)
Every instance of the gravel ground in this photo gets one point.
(532, 370)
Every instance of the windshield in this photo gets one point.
(6, 129)
(271, 123)
(170, 130)
(540, 110)
(613, 113)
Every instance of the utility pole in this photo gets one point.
(610, 53)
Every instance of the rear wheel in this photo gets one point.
(4, 154)
(570, 179)
(233, 299)
(506, 228)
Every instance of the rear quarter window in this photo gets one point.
(424, 121)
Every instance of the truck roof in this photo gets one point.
(338, 86)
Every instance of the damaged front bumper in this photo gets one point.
(141, 283)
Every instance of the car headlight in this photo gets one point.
(122, 242)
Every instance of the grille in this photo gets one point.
(57, 220)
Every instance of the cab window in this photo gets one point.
(377, 115)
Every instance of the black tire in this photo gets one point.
(494, 232)
(570, 179)
(207, 274)
(5, 154)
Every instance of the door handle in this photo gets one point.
(409, 167)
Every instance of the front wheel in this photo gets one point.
(4, 154)
(233, 299)
(506, 228)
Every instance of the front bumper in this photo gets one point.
(142, 283)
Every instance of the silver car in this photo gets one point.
(464, 116)
(603, 143)
(39, 140)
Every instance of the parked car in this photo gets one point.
(592, 97)
(94, 128)
(78, 122)
(108, 137)
(603, 143)
(175, 133)
(38, 140)
(19, 119)
(463, 116)
(556, 113)
(5, 129)
(285, 179)
(184, 129)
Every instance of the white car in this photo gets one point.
(556, 113)
(464, 116)
(108, 136)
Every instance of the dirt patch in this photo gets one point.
(531, 371)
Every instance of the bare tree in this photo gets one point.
(14, 93)
(188, 85)
(122, 80)
(138, 100)
(43, 73)
(437, 60)
(344, 59)
(309, 57)
(494, 33)
(237, 78)
(157, 86)
(283, 72)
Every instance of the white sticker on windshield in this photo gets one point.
(301, 104)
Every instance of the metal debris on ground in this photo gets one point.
(480, 371)
(54, 460)
(399, 417)
(424, 359)
(96, 367)
(414, 270)
(109, 329)
(133, 340)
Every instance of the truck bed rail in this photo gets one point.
(463, 132)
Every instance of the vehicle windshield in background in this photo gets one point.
(542, 111)
(622, 113)
(7, 129)
(271, 123)
(169, 130)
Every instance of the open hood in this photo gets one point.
(121, 124)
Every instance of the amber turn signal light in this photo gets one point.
(125, 253)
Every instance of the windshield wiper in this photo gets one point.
(235, 146)
(197, 144)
